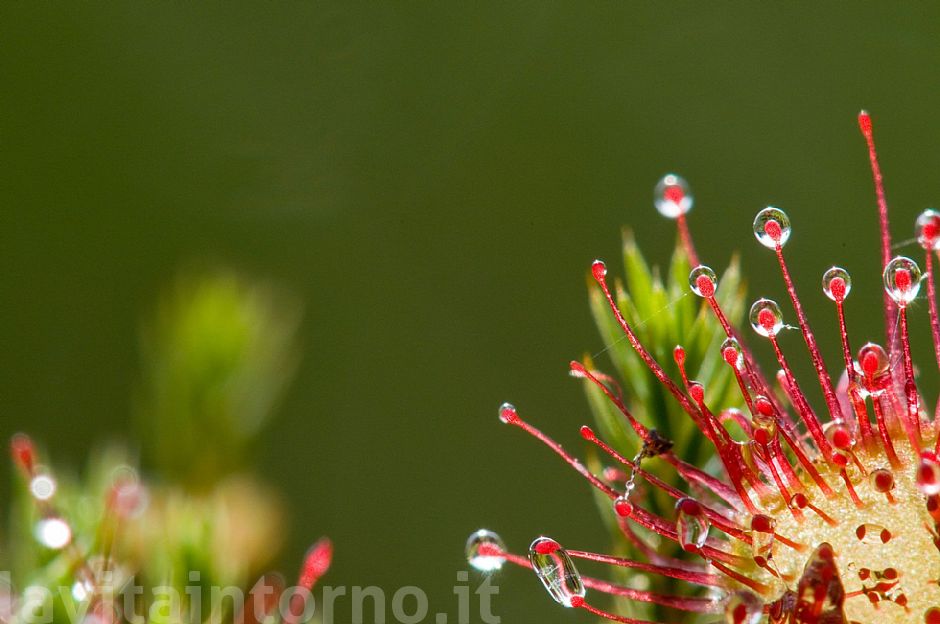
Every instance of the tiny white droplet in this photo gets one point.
(42, 487)
(53, 533)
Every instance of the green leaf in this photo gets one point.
(662, 314)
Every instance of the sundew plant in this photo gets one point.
(729, 494)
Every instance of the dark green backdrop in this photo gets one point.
(433, 180)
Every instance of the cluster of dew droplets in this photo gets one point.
(51, 530)
(126, 498)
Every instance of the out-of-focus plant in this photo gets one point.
(217, 357)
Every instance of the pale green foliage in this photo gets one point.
(217, 357)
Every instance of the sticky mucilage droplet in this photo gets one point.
(557, 571)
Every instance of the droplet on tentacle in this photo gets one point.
(872, 367)
(507, 413)
(557, 571)
(762, 536)
(623, 506)
(764, 428)
(743, 607)
(902, 280)
(766, 317)
(691, 524)
(763, 421)
(53, 533)
(932, 615)
(882, 480)
(703, 281)
(599, 269)
(42, 487)
(839, 436)
(731, 353)
(837, 283)
(484, 551)
(672, 196)
(772, 227)
(928, 229)
(798, 501)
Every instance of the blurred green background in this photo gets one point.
(431, 181)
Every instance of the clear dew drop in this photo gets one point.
(872, 367)
(557, 571)
(53, 533)
(507, 413)
(672, 196)
(772, 227)
(798, 501)
(483, 551)
(881, 479)
(839, 435)
(902, 280)
(766, 317)
(762, 536)
(691, 524)
(837, 283)
(42, 487)
(743, 607)
(732, 354)
(927, 228)
(703, 281)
